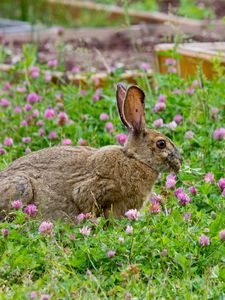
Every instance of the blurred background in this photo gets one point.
(101, 35)
(41, 12)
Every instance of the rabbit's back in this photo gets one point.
(50, 159)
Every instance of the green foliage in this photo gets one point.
(188, 8)
(32, 11)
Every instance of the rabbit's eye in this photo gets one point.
(161, 144)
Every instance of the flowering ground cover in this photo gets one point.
(174, 248)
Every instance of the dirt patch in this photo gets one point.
(105, 49)
(217, 5)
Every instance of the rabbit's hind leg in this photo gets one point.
(13, 188)
(117, 209)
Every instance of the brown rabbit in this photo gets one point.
(65, 181)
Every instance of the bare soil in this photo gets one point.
(102, 49)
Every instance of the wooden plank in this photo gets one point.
(98, 79)
(191, 56)
(76, 7)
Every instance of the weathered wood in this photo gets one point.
(75, 9)
(98, 79)
(15, 27)
(191, 56)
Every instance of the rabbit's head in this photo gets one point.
(147, 145)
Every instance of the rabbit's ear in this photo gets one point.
(134, 109)
(120, 96)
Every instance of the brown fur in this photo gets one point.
(65, 181)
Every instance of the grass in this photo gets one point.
(162, 258)
(186, 8)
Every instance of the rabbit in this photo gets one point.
(64, 181)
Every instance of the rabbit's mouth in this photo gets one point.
(175, 167)
(174, 163)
